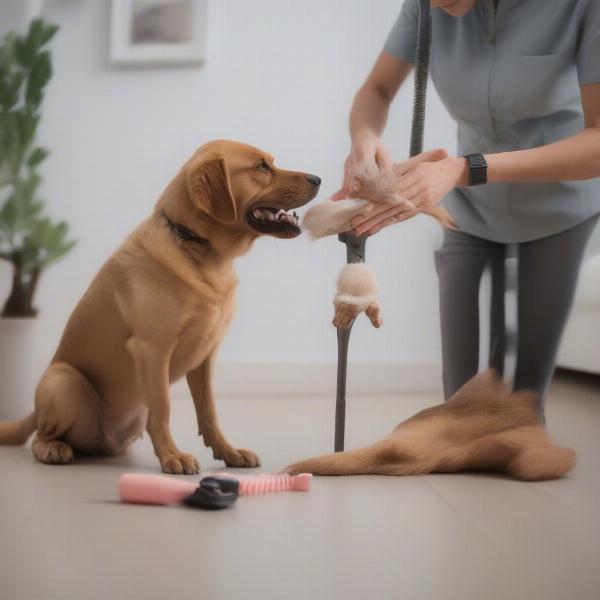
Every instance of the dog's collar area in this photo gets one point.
(183, 233)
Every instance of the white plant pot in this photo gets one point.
(21, 364)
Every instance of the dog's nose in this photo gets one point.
(314, 180)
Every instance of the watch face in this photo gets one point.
(476, 160)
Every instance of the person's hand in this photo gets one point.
(368, 158)
(418, 184)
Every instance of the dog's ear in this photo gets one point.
(210, 188)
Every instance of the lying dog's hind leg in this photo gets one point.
(200, 382)
(67, 415)
(536, 464)
(535, 457)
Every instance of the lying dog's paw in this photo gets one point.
(345, 315)
(374, 313)
(238, 457)
(180, 463)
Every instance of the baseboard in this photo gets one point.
(301, 378)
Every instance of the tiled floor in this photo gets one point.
(470, 537)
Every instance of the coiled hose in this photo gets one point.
(420, 78)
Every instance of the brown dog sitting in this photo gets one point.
(484, 426)
(157, 311)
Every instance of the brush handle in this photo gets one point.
(143, 488)
(263, 483)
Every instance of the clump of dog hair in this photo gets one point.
(358, 285)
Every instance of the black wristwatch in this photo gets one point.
(477, 169)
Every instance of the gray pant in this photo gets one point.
(547, 277)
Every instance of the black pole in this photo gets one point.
(355, 253)
(355, 246)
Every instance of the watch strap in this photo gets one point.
(477, 169)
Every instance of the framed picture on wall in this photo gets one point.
(158, 32)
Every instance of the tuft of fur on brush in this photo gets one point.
(331, 218)
(485, 426)
(357, 291)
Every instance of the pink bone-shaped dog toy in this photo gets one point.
(145, 488)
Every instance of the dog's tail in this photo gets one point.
(386, 457)
(356, 462)
(15, 433)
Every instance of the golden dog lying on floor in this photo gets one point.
(157, 310)
(484, 426)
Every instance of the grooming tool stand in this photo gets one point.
(355, 246)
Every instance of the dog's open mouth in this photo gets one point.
(274, 221)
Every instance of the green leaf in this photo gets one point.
(40, 33)
(36, 157)
(8, 136)
(23, 53)
(21, 209)
(46, 242)
(9, 215)
(27, 122)
(10, 85)
(39, 76)
(27, 48)
(17, 130)
(58, 252)
(7, 50)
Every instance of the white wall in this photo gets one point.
(279, 74)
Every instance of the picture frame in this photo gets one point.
(158, 32)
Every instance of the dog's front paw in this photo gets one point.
(238, 457)
(180, 463)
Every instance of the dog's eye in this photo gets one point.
(263, 166)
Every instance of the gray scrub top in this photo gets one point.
(510, 79)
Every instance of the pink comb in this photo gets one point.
(263, 483)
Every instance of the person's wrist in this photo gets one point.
(365, 138)
(460, 170)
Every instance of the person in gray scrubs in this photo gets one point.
(521, 78)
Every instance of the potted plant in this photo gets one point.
(29, 241)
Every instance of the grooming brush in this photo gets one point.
(211, 493)
(214, 492)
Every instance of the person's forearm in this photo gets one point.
(576, 157)
(369, 113)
